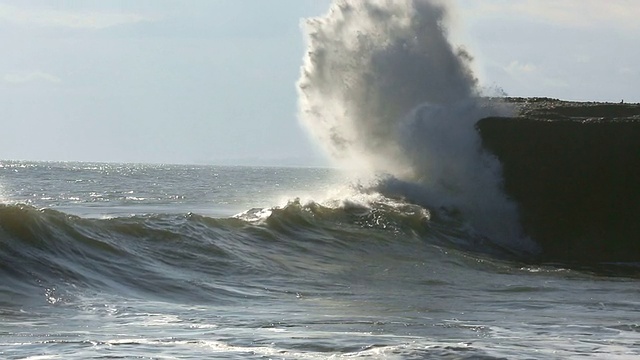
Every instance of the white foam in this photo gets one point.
(384, 92)
(368, 65)
(3, 196)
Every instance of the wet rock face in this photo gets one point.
(574, 170)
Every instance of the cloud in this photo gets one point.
(578, 13)
(554, 82)
(530, 74)
(626, 70)
(515, 67)
(68, 19)
(31, 76)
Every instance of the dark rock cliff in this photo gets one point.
(574, 170)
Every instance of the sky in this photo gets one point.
(213, 81)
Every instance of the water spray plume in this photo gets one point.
(368, 65)
(384, 92)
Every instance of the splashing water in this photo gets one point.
(383, 91)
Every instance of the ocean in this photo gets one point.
(108, 261)
(459, 226)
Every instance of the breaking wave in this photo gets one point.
(388, 97)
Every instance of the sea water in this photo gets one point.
(190, 262)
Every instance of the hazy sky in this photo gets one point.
(214, 81)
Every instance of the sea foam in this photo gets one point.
(387, 95)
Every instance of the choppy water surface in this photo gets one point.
(148, 261)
